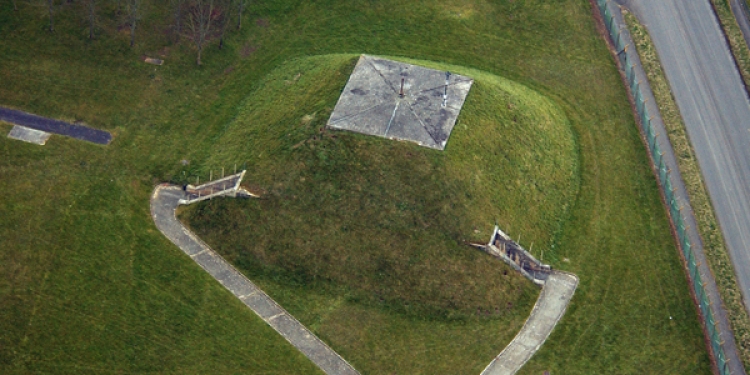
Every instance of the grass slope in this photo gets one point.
(88, 284)
(381, 216)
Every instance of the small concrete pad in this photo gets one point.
(25, 134)
(371, 102)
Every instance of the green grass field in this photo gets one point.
(89, 285)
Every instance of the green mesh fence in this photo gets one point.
(665, 181)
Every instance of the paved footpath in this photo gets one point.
(549, 308)
(164, 201)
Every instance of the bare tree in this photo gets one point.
(201, 17)
(15, 5)
(133, 8)
(51, 9)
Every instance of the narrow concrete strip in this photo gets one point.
(164, 201)
(549, 308)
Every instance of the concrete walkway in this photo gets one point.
(164, 201)
(549, 308)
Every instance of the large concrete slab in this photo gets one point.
(372, 102)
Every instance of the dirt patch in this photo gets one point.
(262, 22)
(123, 28)
(247, 50)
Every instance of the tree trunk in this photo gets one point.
(200, 49)
(226, 19)
(51, 7)
(239, 13)
(134, 13)
(15, 5)
(92, 17)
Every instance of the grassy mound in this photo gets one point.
(384, 221)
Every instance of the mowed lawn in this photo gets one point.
(89, 284)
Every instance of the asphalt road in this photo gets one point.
(715, 106)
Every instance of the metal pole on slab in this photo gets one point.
(401, 93)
